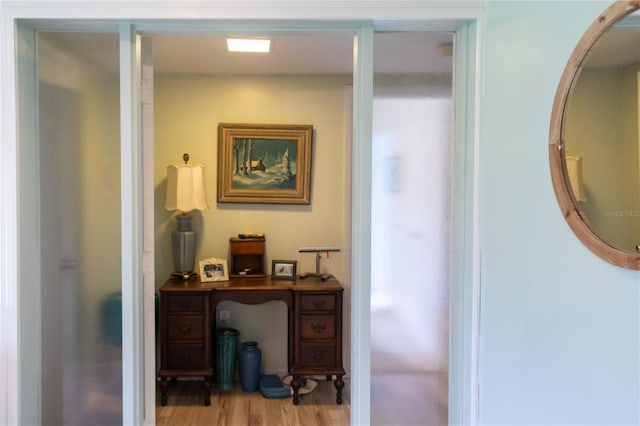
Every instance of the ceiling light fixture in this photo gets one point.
(258, 45)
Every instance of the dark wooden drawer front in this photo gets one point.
(187, 333)
(318, 354)
(318, 326)
(318, 302)
(186, 357)
(185, 303)
(250, 247)
(185, 327)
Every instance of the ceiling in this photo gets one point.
(615, 48)
(300, 54)
(327, 53)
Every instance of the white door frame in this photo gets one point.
(463, 17)
(132, 228)
(465, 268)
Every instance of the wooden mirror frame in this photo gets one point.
(571, 211)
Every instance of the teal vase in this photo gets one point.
(250, 359)
(226, 341)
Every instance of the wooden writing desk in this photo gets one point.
(187, 325)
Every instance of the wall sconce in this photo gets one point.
(185, 192)
(574, 168)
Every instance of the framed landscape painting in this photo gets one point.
(264, 163)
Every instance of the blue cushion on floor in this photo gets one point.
(271, 387)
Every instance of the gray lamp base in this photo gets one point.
(183, 244)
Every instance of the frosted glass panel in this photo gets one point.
(79, 194)
(411, 229)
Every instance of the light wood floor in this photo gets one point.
(235, 407)
(397, 399)
(409, 399)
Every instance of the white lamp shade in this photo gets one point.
(574, 168)
(185, 188)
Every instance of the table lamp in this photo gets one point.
(185, 192)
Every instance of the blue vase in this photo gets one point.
(250, 359)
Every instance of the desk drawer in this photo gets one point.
(186, 357)
(318, 326)
(185, 327)
(317, 355)
(318, 302)
(185, 303)
(249, 247)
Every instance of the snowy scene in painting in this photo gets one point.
(264, 163)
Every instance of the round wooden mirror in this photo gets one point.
(594, 148)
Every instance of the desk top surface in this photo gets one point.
(262, 283)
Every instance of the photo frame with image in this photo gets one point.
(214, 269)
(283, 269)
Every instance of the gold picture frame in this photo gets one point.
(264, 163)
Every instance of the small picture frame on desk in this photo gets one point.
(214, 269)
(283, 269)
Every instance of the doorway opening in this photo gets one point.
(79, 209)
(341, 266)
(411, 227)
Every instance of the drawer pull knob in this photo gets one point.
(184, 305)
(185, 357)
(319, 303)
(319, 327)
(318, 355)
(185, 328)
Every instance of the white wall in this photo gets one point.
(187, 112)
(559, 336)
(411, 234)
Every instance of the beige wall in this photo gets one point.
(187, 112)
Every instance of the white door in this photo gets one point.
(80, 245)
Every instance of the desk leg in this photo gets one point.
(164, 384)
(339, 384)
(207, 391)
(295, 385)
